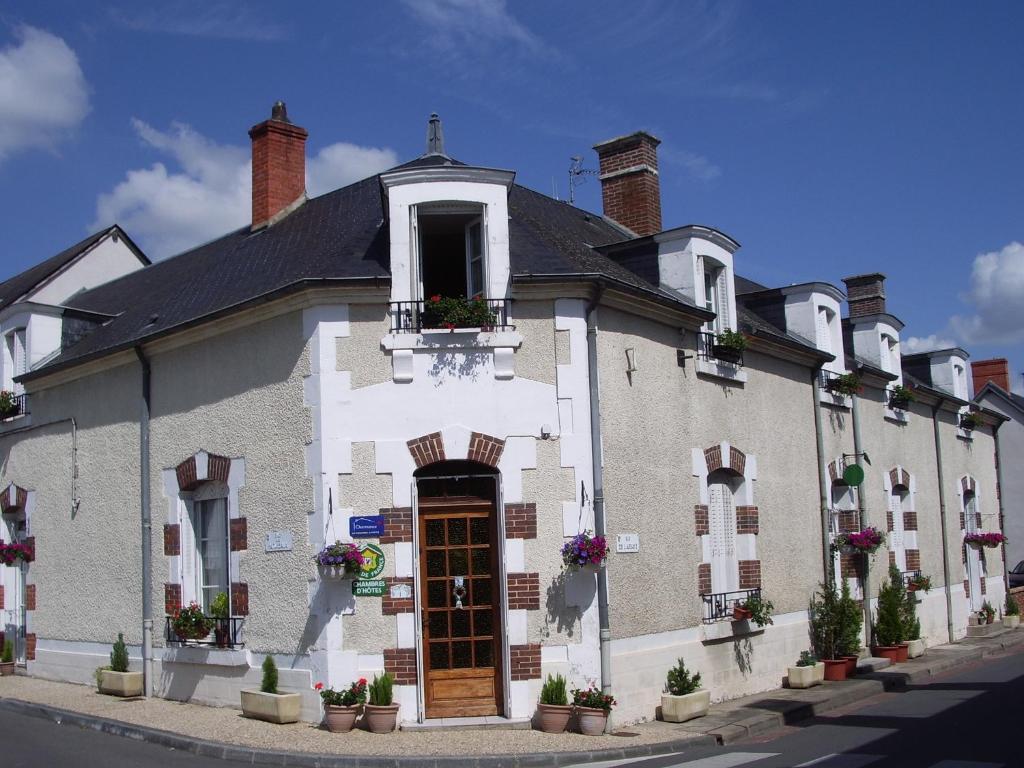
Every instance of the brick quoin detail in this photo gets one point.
(524, 661)
(747, 520)
(485, 449)
(892, 558)
(984, 586)
(172, 539)
(401, 663)
(850, 565)
(704, 578)
(428, 449)
(239, 534)
(524, 591)
(849, 521)
(833, 473)
(217, 468)
(713, 457)
(521, 521)
(750, 574)
(172, 598)
(30, 597)
(737, 460)
(390, 606)
(888, 521)
(894, 476)
(963, 520)
(1017, 593)
(30, 646)
(910, 521)
(967, 587)
(13, 497)
(1, 603)
(397, 525)
(701, 520)
(30, 542)
(913, 559)
(239, 599)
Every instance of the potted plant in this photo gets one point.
(760, 610)
(190, 623)
(266, 703)
(850, 622)
(7, 658)
(11, 553)
(888, 628)
(220, 610)
(979, 539)
(10, 405)
(920, 583)
(807, 672)
(845, 384)
(381, 711)
(339, 560)
(116, 680)
(584, 552)
(827, 621)
(900, 397)
(553, 710)
(453, 312)
(683, 698)
(865, 542)
(729, 346)
(969, 421)
(911, 624)
(592, 709)
(341, 708)
(989, 611)
(1011, 616)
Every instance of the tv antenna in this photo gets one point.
(577, 175)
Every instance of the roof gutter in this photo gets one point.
(942, 516)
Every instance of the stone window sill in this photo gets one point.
(838, 401)
(469, 338)
(965, 434)
(897, 415)
(729, 630)
(726, 372)
(213, 657)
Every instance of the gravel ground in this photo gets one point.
(227, 725)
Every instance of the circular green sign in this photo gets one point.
(853, 475)
(373, 561)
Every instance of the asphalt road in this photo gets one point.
(966, 719)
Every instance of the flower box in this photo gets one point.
(980, 539)
(806, 676)
(272, 707)
(340, 560)
(866, 541)
(120, 683)
(679, 709)
(726, 353)
(1011, 622)
(915, 648)
(6, 668)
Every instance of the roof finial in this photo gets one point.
(279, 112)
(435, 135)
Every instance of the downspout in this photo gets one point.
(942, 518)
(605, 632)
(999, 500)
(147, 526)
(819, 442)
(858, 451)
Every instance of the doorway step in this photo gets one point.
(986, 630)
(490, 723)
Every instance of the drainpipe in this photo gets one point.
(819, 443)
(858, 450)
(147, 526)
(605, 634)
(999, 500)
(942, 518)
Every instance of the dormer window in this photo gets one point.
(890, 354)
(451, 249)
(16, 362)
(716, 294)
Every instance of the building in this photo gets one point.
(241, 405)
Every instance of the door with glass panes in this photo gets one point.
(460, 599)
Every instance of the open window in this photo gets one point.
(210, 526)
(16, 359)
(716, 294)
(451, 246)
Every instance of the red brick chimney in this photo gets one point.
(278, 167)
(865, 294)
(630, 192)
(996, 370)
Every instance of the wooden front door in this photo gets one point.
(461, 618)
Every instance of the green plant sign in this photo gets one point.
(369, 587)
(373, 561)
(853, 475)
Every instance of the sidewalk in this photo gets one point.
(223, 732)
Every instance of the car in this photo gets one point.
(1017, 575)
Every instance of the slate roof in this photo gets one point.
(337, 237)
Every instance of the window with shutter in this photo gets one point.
(722, 527)
(896, 539)
(824, 339)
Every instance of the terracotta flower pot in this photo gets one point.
(890, 652)
(592, 721)
(851, 664)
(6, 668)
(340, 719)
(553, 718)
(381, 719)
(835, 669)
(989, 618)
(904, 652)
(740, 614)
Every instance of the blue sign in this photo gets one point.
(366, 527)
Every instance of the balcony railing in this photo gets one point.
(227, 634)
(707, 349)
(416, 316)
(718, 605)
(17, 406)
(909, 576)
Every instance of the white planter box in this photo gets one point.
(915, 648)
(1011, 622)
(272, 707)
(679, 709)
(806, 677)
(120, 683)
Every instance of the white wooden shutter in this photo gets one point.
(824, 332)
(722, 304)
(896, 537)
(722, 524)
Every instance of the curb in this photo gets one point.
(313, 760)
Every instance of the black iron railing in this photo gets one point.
(17, 405)
(897, 401)
(227, 633)
(909, 576)
(718, 606)
(416, 316)
(707, 349)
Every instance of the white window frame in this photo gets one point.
(415, 236)
(197, 509)
(16, 350)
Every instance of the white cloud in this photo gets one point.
(927, 343)
(472, 24)
(208, 190)
(696, 165)
(43, 93)
(996, 296)
(211, 20)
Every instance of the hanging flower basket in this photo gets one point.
(10, 404)
(340, 560)
(12, 553)
(190, 623)
(865, 542)
(981, 539)
(584, 551)
(845, 384)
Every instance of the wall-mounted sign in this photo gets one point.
(853, 475)
(369, 587)
(366, 527)
(278, 541)
(401, 591)
(373, 561)
(627, 542)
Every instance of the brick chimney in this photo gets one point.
(278, 167)
(996, 370)
(630, 192)
(865, 294)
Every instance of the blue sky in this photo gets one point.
(829, 139)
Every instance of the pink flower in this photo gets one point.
(319, 686)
